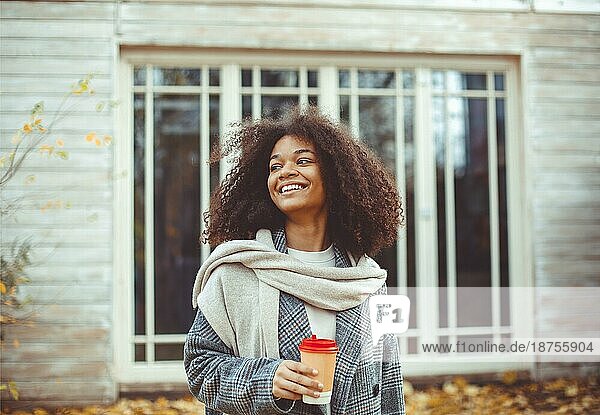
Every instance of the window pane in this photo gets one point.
(458, 81)
(468, 131)
(474, 344)
(285, 78)
(313, 79)
(214, 76)
(437, 80)
(139, 75)
(246, 106)
(388, 261)
(409, 203)
(443, 340)
(272, 106)
(409, 200)
(439, 141)
(344, 78)
(176, 76)
(313, 100)
(503, 210)
(499, 82)
(408, 79)
(176, 208)
(246, 77)
(378, 126)
(166, 352)
(376, 79)
(139, 144)
(345, 109)
(412, 344)
(213, 102)
(140, 352)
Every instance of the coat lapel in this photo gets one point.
(352, 336)
(293, 326)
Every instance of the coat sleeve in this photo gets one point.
(224, 382)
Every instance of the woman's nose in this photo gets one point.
(287, 170)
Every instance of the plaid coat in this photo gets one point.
(367, 379)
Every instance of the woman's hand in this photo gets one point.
(292, 380)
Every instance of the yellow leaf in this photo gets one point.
(45, 148)
(12, 388)
(2, 160)
(2, 288)
(27, 128)
(60, 142)
(16, 343)
(508, 378)
(460, 382)
(36, 122)
(30, 179)
(98, 142)
(571, 391)
(90, 137)
(107, 140)
(450, 388)
(62, 154)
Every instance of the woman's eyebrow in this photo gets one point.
(299, 151)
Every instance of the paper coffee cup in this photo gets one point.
(320, 354)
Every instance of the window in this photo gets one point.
(441, 128)
(175, 121)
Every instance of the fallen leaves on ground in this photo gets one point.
(560, 396)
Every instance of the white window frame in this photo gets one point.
(520, 269)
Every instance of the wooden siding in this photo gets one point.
(65, 358)
(46, 46)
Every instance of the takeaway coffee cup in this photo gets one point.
(320, 354)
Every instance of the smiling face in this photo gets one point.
(295, 183)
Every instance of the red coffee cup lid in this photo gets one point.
(318, 345)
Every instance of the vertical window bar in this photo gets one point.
(329, 98)
(425, 223)
(303, 87)
(256, 90)
(450, 220)
(354, 110)
(402, 279)
(149, 213)
(130, 206)
(494, 204)
(401, 183)
(204, 155)
(229, 106)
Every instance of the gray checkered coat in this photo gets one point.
(367, 380)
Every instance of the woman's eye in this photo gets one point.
(303, 161)
(274, 167)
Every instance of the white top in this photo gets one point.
(322, 322)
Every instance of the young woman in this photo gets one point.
(293, 224)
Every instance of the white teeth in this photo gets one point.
(289, 187)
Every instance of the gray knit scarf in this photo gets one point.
(237, 289)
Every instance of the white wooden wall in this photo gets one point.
(66, 357)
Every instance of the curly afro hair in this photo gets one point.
(364, 206)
